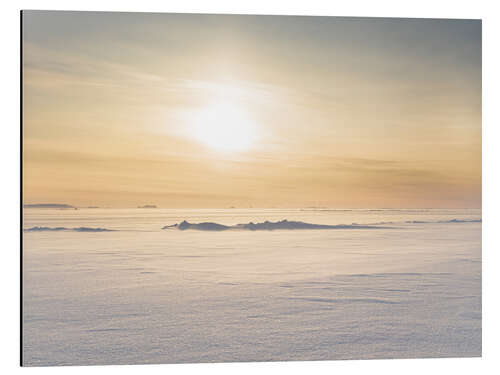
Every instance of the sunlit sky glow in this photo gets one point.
(124, 109)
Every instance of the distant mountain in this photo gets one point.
(266, 225)
(48, 205)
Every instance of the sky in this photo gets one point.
(201, 111)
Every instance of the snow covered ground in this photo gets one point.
(132, 293)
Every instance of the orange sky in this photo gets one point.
(124, 109)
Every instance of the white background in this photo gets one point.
(9, 177)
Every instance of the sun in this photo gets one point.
(225, 127)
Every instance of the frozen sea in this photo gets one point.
(408, 288)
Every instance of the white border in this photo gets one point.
(9, 273)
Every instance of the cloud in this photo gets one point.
(48, 205)
(58, 229)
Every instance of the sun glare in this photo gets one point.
(225, 127)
